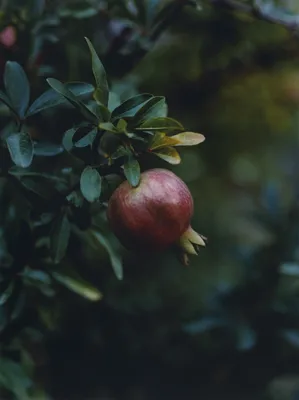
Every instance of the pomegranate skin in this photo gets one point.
(153, 215)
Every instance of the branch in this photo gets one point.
(263, 10)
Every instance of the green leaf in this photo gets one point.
(13, 378)
(17, 87)
(102, 90)
(114, 100)
(290, 268)
(4, 98)
(188, 139)
(79, 286)
(115, 258)
(153, 108)
(168, 154)
(42, 188)
(122, 125)
(78, 11)
(102, 112)
(130, 107)
(121, 151)
(161, 124)
(36, 275)
(51, 98)
(60, 236)
(151, 11)
(108, 126)
(6, 294)
(64, 91)
(91, 184)
(88, 139)
(132, 171)
(46, 149)
(161, 140)
(20, 149)
(67, 140)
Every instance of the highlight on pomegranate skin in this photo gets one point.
(154, 215)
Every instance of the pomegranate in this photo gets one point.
(155, 214)
(8, 36)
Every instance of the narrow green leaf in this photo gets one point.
(78, 12)
(79, 286)
(6, 294)
(121, 151)
(132, 171)
(188, 139)
(37, 275)
(114, 100)
(20, 149)
(152, 8)
(64, 91)
(108, 126)
(130, 107)
(122, 125)
(168, 154)
(91, 184)
(42, 188)
(60, 236)
(51, 98)
(101, 111)
(115, 258)
(67, 140)
(290, 268)
(102, 91)
(14, 379)
(8, 129)
(17, 87)
(21, 172)
(4, 98)
(46, 149)
(161, 124)
(153, 108)
(88, 139)
(161, 140)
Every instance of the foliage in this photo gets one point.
(55, 204)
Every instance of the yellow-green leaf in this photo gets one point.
(161, 140)
(108, 126)
(161, 124)
(188, 138)
(79, 286)
(168, 154)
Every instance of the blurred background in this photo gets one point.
(226, 326)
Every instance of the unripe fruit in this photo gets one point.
(154, 215)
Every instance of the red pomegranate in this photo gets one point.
(155, 214)
(8, 36)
